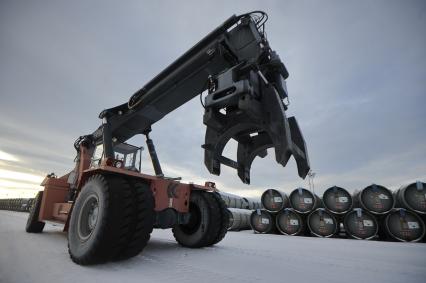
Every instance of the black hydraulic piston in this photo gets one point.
(107, 139)
(153, 155)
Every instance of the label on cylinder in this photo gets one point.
(307, 200)
(278, 199)
(264, 220)
(328, 221)
(343, 199)
(294, 222)
(368, 223)
(383, 196)
(413, 225)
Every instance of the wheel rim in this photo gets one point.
(88, 217)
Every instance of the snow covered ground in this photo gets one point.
(240, 257)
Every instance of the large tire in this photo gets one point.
(105, 220)
(224, 219)
(206, 223)
(33, 225)
(143, 221)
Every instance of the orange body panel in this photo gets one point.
(60, 211)
(55, 191)
(167, 193)
(171, 194)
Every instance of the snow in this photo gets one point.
(240, 257)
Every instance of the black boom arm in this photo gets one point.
(245, 80)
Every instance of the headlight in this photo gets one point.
(118, 164)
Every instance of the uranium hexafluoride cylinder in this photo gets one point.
(321, 223)
(404, 226)
(303, 201)
(262, 221)
(375, 199)
(289, 222)
(360, 224)
(274, 200)
(337, 200)
(412, 197)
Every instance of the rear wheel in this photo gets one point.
(106, 218)
(224, 222)
(33, 225)
(207, 223)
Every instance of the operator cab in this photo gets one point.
(126, 156)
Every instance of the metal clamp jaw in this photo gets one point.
(249, 109)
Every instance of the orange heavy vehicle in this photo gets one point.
(109, 208)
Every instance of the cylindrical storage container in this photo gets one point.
(342, 232)
(274, 200)
(337, 200)
(412, 197)
(25, 203)
(321, 223)
(232, 201)
(30, 204)
(261, 221)
(403, 225)
(225, 199)
(303, 201)
(375, 199)
(289, 222)
(360, 224)
(239, 219)
(252, 204)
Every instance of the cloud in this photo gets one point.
(357, 84)
(19, 176)
(15, 182)
(8, 157)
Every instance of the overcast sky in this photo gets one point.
(357, 86)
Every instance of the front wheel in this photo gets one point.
(33, 225)
(207, 223)
(111, 220)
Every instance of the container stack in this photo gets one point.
(371, 213)
(239, 210)
(286, 214)
(16, 204)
